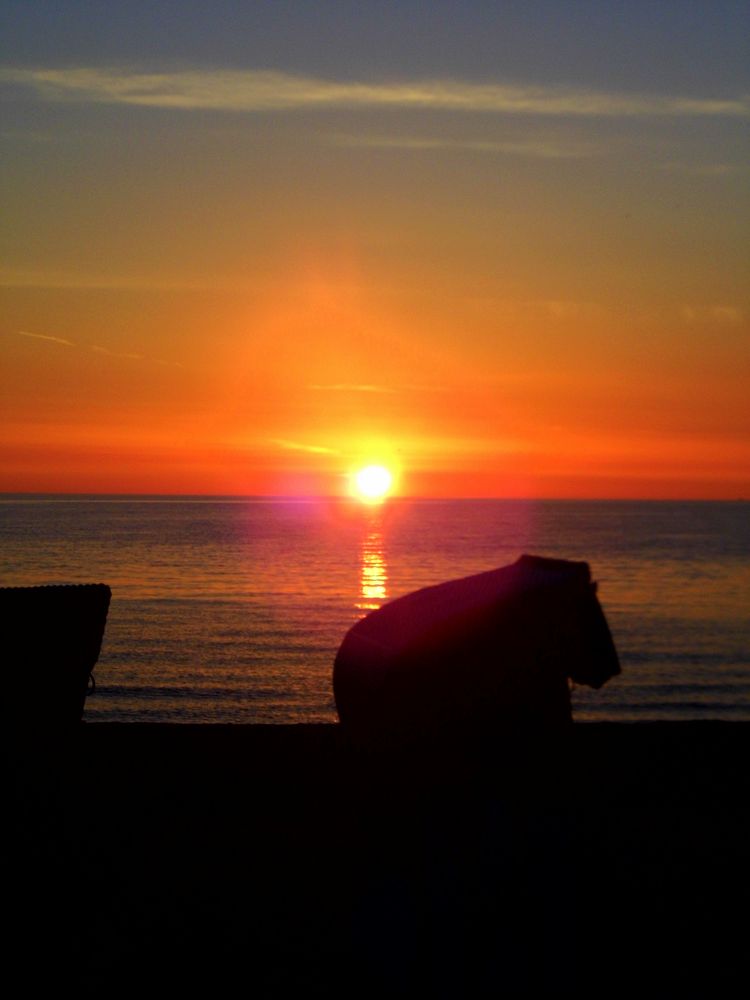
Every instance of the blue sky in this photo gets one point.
(682, 47)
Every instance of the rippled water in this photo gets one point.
(231, 610)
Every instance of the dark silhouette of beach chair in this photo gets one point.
(52, 637)
(488, 654)
(456, 702)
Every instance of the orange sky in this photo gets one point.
(253, 284)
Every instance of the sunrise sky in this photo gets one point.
(499, 248)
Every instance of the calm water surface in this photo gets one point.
(231, 610)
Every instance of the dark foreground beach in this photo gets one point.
(276, 860)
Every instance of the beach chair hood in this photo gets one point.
(498, 645)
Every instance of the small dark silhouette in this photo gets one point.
(489, 652)
(53, 636)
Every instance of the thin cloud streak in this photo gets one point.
(352, 387)
(268, 90)
(115, 354)
(311, 449)
(45, 336)
(97, 349)
(125, 356)
(700, 169)
(726, 315)
(541, 149)
(44, 278)
(383, 389)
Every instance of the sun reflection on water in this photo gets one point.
(373, 582)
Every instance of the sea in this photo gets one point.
(231, 609)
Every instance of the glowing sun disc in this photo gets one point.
(373, 482)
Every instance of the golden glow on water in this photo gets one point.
(373, 586)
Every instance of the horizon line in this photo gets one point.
(310, 497)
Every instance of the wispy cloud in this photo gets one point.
(352, 387)
(310, 449)
(126, 356)
(12, 277)
(45, 336)
(32, 136)
(116, 354)
(562, 309)
(726, 315)
(269, 90)
(700, 169)
(383, 389)
(546, 149)
(97, 349)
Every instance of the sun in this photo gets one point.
(372, 483)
